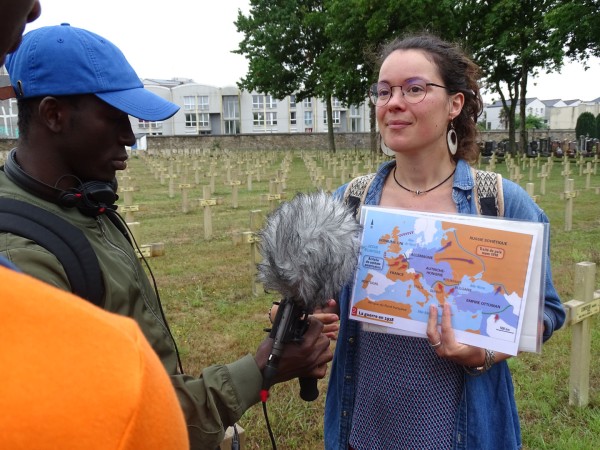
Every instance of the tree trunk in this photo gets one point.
(510, 114)
(373, 128)
(330, 134)
(523, 112)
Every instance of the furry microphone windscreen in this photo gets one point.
(310, 248)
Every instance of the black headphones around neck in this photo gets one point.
(92, 198)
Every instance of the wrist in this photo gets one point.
(488, 362)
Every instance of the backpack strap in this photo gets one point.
(62, 239)
(356, 191)
(489, 197)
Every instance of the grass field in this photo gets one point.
(206, 289)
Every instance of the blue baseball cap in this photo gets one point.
(64, 60)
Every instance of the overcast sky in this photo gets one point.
(194, 39)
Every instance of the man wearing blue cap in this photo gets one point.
(44, 329)
(75, 91)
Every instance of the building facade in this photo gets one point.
(210, 110)
(556, 114)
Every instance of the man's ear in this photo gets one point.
(53, 113)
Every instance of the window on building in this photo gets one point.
(355, 124)
(191, 120)
(270, 102)
(197, 120)
(195, 102)
(232, 126)
(308, 118)
(354, 111)
(292, 117)
(203, 119)
(231, 114)
(189, 103)
(335, 115)
(258, 119)
(258, 101)
(231, 108)
(336, 103)
(148, 124)
(271, 118)
(203, 102)
(292, 101)
(307, 102)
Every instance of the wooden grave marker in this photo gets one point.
(185, 187)
(543, 175)
(580, 312)
(207, 203)
(145, 250)
(566, 172)
(171, 176)
(530, 188)
(251, 237)
(235, 186)
(568, 195)
(588, 173)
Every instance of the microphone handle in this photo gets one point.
(308, 389)
(281, 325)
(286, 328)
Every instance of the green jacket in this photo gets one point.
(212, 402)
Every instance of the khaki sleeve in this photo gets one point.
(217, 399)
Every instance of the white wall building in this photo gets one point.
(495, 119)
(229, 110)
(565, 117)
(557, 114)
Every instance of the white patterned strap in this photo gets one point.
(356, 191)
(489, 197)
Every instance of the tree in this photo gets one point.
(357, 31)
(586, 125)
(532, 122)
(576, 24)
(509, 40)
(288, 51)
(597, 127)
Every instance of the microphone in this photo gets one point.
(309, 247)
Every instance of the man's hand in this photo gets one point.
(308, 358)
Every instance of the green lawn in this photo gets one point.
(206, 289)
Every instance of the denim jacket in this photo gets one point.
(487, 415)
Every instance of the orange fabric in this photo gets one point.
(76, 377)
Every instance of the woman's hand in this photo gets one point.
(330, 318)
(444, 343)
(328, 315)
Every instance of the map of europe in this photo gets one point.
(409, 262)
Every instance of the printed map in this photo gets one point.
(410, 261)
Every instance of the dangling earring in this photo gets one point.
(385, 149)
(452, 139)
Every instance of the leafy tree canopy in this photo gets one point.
(586, 125)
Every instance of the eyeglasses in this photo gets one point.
(415, 92)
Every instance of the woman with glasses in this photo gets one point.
(397, 392)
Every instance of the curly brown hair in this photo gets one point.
(460, 74)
